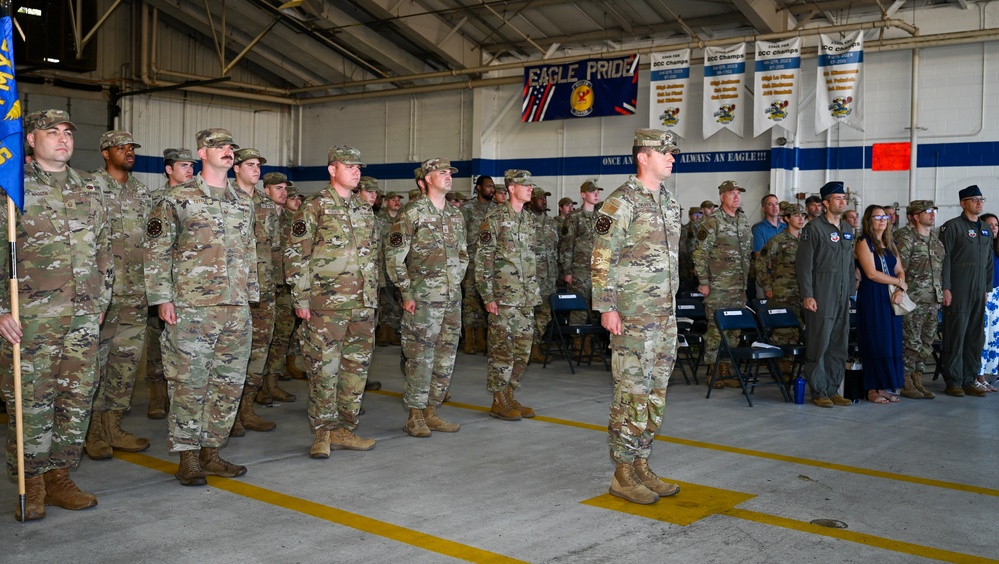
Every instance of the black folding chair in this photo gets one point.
(777, 316)
(561, 331)
(750, 357)
(691, 309)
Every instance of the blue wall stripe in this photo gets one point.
(930, 155)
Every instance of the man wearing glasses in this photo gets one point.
(967, 279)
(922, 257)
(825, 269)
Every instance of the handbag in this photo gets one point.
(903, 307)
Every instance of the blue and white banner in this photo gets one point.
(588, 88)
(839, 81)
(778, 65)
(669, 88)
(724, 83)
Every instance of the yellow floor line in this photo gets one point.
(333, 515)
(853, 536)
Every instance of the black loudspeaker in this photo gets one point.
(49, 39)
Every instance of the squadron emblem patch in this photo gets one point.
(395, 239)
(702, 234)
(298, 229)
(603, 225)
(154, 228)
(485, 237)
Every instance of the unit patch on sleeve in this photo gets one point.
(603, 225)
(154, 228)
(485, 237)
(395, 239)
(298, 228)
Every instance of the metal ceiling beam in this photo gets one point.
(765, 15)
(373, 45)
(428, 31)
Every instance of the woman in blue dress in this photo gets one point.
(990, 353)
(879, 330)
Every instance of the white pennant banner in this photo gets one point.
(724, 82)
(670, 87)
(838, 82)
(778, 65)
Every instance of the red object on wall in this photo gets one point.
(890, 156)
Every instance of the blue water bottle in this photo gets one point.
(799, 390)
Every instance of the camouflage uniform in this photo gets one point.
(123, 332)
(506, 273)
(427, 258)
(922, 260)
(65, 274)
(635, 273)
(688, 275)
(473, 315)
(722, 258)
(546, 253)
(201, 256)
(267, 233)
(775, 273)
(389, 300)
(285, 321)
(575, 253)
(332, 265)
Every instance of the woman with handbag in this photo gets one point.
(879, 328)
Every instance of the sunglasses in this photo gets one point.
(880, 217)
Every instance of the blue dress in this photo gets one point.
(879, 330)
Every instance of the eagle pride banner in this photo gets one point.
(724, 81)
(838, 82)
(778, 64)
(669, 91)
(588, 88)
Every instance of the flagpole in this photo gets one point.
(15, 313)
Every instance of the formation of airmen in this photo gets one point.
(222, 280)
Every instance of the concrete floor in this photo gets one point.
(911, 481)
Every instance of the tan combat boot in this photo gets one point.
(262, 397)
(249, 418)
(381, 337)
(537, 355)
(96, 444)
(909, 390)
(501, 408)
(523, 409)
(481, 342)
(214, 465)
(435, 423)
(34, 499)
(415, 425)
(189, 471)
(120, 439)
(275, 392)
(60, 491)
(917, 382)
(649, 479)
(292, 369)
(469, 346)
(625, 485)
(237, 428)
(159, 400)
(321, 445)
(343, 439)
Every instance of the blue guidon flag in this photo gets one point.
(11, 144)
(587, 88)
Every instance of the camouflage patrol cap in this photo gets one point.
(117, 138)
(180, 155)
(215, 137)
(589, 186)
(501, 188)
(790, 208)
(344, 154)
(455, 196)
(418, 173)
(919, 206)
(692, 211)
(539, 192)
(247, 153)
(431, 165)
(272, 178)
(728, 186)
(519, 177)
(708, 204)
(368, 184)
(292, 191)
(566, 202)
(662, 141)
(47, 119)
(391, 195)
(414, 194)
